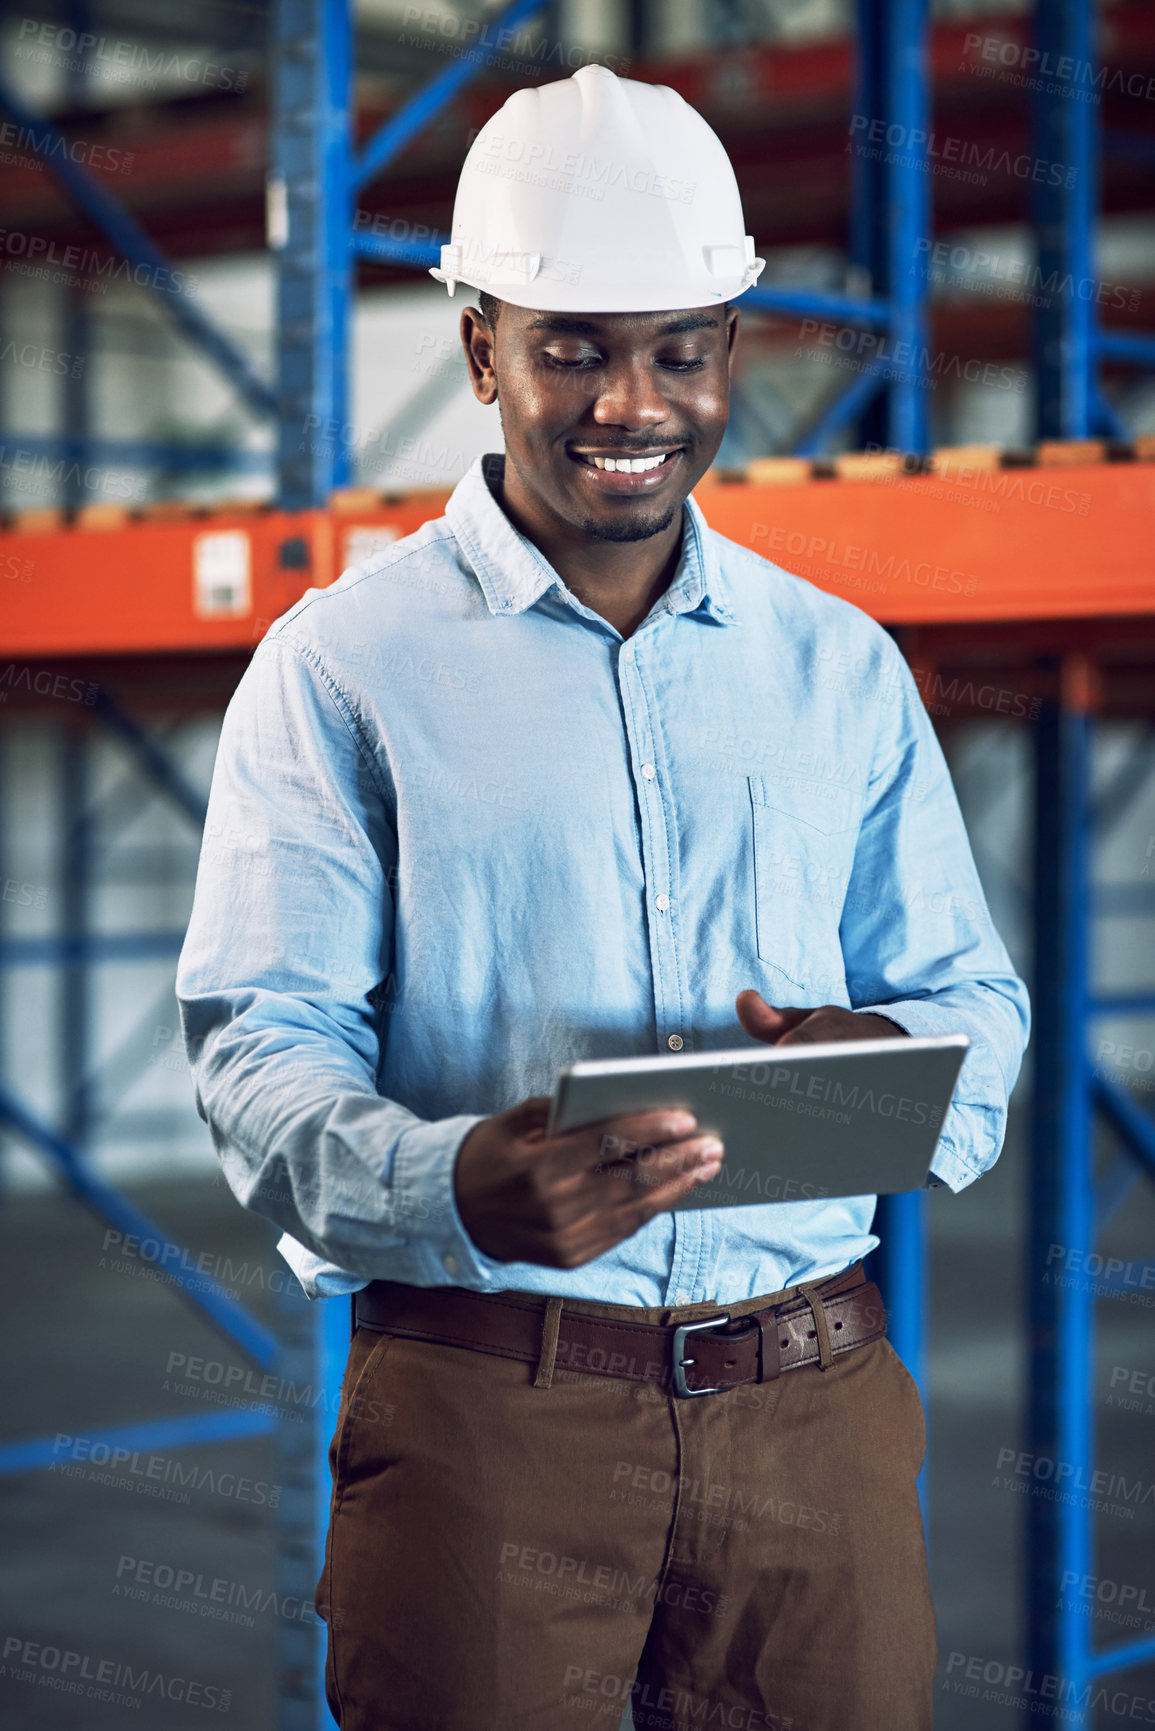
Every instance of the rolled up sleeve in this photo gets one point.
(283, 985)
(917, 938)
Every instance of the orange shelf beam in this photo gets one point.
(176, 580)
(1063, 535)
(971, 541)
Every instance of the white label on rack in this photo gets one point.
(276, 213)
(221, 583)
(362, 540)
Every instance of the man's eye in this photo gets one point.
(587, 358)
(568, 361)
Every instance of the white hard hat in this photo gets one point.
(599, 194)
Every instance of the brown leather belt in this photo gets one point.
(847, 1310)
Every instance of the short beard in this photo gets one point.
(639, 529)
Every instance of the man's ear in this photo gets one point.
(479, 344)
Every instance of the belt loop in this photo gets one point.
(818, 1311)
(548, 1353)
(770, 1354)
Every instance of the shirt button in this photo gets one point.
(649, 771)
(663, 903)
(675, 1042)
(450, 1263)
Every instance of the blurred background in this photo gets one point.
(224, 375)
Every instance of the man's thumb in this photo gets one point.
(762, 1020)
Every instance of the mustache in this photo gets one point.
(623, 449)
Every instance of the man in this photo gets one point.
(559, 777)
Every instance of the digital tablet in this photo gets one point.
(799, 1123)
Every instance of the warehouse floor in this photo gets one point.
(91, 1339)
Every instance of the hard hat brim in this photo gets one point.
(548, 297)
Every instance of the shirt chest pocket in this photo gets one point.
(804, 841)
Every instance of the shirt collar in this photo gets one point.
(513, 574)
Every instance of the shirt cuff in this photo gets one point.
(966, 1122)
(424, 1164)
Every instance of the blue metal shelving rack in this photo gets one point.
(75, 950)
(315, 176)
(1067, 1206)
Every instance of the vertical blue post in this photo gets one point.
(73, 412)
(5, 993)
(314, 1341)
(1059, 1307)
(1064, 199)
(331, 1324)
(901, 1227)
(908, 214)
(75, 420)
(75, 979)
(868, 238)
(310, 219)
(310, 222)
(869, 103)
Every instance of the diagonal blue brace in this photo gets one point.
(817, 303)
(163, 1433)
(1125, 1003)
(382, 249)
(1136, 347)
(391, 138)
(157, 765)
(1105, 417)
(847, 405)
(1125, 1657)
(1127, 1119)
(219, 1307)
(129, 239)
(64, 950)
(1112, 1190)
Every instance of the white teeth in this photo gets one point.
(628, 465)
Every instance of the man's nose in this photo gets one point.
(630, 397)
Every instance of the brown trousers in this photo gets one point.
(509, 1558)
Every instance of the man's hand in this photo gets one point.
(562, 1200)
(809, 1027)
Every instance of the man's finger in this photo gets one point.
(812, 1032)
(621, 1138)
(662, 1162)
(530, 1117)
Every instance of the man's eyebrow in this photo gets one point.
(691, 322)
(560, 325)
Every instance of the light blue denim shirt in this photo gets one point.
(462, 833)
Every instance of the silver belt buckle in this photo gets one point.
(680, 1361)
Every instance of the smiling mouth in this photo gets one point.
(639, 465)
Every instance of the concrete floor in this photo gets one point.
(88, 1345)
